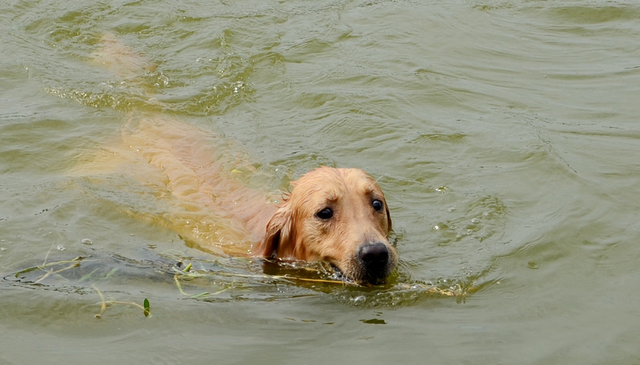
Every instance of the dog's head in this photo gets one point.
(339, 216)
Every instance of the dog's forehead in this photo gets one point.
(332, 184)
(337, 177)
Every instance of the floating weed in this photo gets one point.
(88, 276)
(97, 277)
(188, 274)
(207, 280)
(49, 268)
(459, 291)
(51, 272)
(146, 307)
(103, 304)
(57, 267)
(110, 273)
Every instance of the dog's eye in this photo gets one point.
(377, 205)
(325, 214)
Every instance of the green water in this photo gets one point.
(505, 136)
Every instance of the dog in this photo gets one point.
(334, 215)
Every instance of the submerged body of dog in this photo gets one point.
(334, 215)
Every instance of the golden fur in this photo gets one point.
(338, 216)
(297, 232)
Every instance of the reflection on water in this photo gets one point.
(504, 135)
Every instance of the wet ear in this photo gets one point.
(386, 208)
(279, 234)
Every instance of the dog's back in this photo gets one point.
(209, 204)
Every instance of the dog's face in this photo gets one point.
(339, 216)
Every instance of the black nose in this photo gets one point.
(374, 256)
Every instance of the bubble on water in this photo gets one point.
(237, 86)
(440, 226)
(442, 189)
(359, 299)
(60, 247)
(86, 241)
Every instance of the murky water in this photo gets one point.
(505, 136)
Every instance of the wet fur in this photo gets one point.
(291, 230)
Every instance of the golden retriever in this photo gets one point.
(335, 215)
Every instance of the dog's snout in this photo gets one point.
(374, 254)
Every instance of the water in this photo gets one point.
(505, 136)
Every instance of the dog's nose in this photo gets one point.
(374, 255)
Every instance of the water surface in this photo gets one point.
(504, 135)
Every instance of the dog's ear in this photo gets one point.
(386, 208)
(279, 234)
